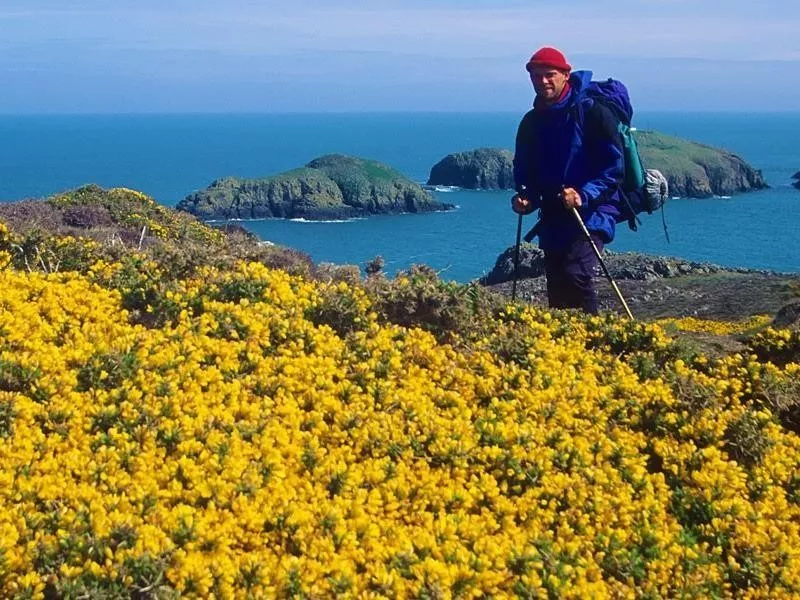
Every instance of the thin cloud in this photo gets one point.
(422, 49)
(433, 30)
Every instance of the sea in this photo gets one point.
(170, 156)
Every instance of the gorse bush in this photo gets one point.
(242, 431)
(418, 298)
(780, 346)
(274, 436)
(74, 230)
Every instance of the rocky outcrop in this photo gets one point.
(657, 287)
(796, 182)
(788, 315)
(622, 266)
(693, 170)
(330, 187)
(481, 169)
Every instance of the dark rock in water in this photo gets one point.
(788, 315)
(796, 178)
(481, 169)
(234, 229)
(330, 187)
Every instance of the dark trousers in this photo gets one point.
(570, 276)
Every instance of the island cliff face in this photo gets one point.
(693, 170)
(330, 187)
(481, 169)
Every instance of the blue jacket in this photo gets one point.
(574, 143)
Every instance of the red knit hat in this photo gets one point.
(548, 57)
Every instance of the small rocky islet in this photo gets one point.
(480, 169)
(692, 170)
(333, 186)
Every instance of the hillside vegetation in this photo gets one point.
(334, 186)
(181, 417)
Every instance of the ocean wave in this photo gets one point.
(297, 220)
(440, 188)
(303, 220)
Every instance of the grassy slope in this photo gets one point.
(674, 156)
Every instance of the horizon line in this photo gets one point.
(154, 113)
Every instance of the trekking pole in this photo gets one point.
(521, 194)
(516, 259)
(602, 263)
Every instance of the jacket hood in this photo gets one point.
(579, 81)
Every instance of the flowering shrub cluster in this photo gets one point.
(263, 435)
(74, 230)
(696, 325)
(131, 208)
(778, 345)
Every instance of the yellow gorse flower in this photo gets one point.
(696, 325)
(254, 447)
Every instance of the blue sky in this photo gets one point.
(113, 56)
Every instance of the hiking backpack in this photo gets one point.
(642, 189)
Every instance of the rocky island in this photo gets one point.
(693, 170)
(481, 169)
(334, 186)
(696, 170)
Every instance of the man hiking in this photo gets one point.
(568, 156)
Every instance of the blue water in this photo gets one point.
(169, 156)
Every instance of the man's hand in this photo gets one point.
(521, 205)
(571, 198)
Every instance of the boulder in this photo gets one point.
(531, 265)
(788, 315)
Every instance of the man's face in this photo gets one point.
(548, 82)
